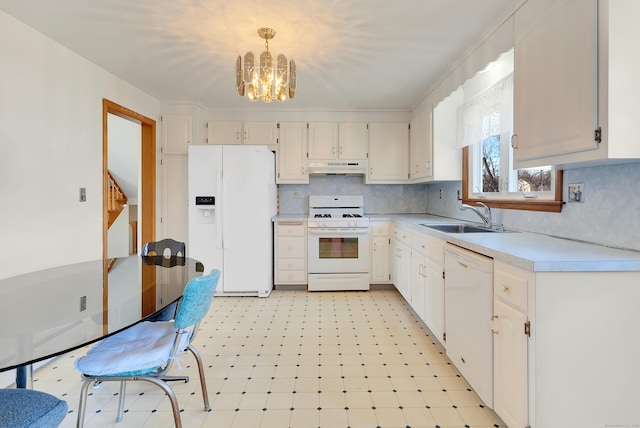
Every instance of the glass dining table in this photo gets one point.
(53, 311)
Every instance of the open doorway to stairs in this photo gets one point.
(147, 173)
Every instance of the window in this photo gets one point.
(485, 126)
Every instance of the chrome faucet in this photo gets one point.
(485, 214)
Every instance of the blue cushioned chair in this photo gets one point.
(147, 350)
(21, 408)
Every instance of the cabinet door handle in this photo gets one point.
(514, 141)
(505, 288)
(494, 317)
(495, 331)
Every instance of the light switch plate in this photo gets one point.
(576, 192)
(83, 194)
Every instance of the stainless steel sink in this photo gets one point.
(458, 228)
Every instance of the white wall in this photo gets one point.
(50, 146)
(119, 235)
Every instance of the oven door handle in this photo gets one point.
(338, 230)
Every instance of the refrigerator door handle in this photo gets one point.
(219, 210)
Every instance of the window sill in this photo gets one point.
(548, 205)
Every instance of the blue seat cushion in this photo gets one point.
(136, 351)
(21, 408)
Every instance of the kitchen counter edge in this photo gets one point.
(530, 251)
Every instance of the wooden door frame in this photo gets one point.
(147, 197)
(147, 172)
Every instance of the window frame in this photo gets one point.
(547, 205)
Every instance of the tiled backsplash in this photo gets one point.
(608, 214)
(378, 198)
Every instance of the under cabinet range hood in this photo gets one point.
(337, 167)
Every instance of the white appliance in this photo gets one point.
(232, 198)
(338, 243)
(468, 296)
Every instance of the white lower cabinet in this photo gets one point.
(290, 253)
(380, 272)
(434, 289)
(418, 273)
(510, 343)
(418, 276)
(510, 365)
(401, 264)
(563, 342)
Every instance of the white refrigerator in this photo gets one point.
(232, 199)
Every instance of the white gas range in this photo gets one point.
(338, 237)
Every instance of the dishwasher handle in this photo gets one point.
(468, 260)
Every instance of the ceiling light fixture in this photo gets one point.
(263, 78)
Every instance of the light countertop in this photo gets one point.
(531, 251)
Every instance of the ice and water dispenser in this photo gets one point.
(205, 206)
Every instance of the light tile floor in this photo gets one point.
(297, 359)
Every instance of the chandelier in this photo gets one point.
(265, 78)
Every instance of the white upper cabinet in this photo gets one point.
(420, 144)
(435, 155)
(291, 156)
(176, 133)
(447, 156)
(263, 133)
(323, 140)
(225, 132)
(353, 141)
(236, 132)
(575, 81)
(388, 153)
(330, 140)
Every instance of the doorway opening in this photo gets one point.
(147, 202)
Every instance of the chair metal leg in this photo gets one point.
(156, 381)
(82, 406)
(172, 397)
(203, 383)
(123, 390)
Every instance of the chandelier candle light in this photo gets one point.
(265, 78)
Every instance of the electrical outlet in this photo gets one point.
(576, 192)
(83, 303)
(296, 194)
(83, 194)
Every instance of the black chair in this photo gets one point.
(159, 250)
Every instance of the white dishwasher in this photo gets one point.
(468, 296)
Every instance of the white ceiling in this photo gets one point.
(350, 54)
